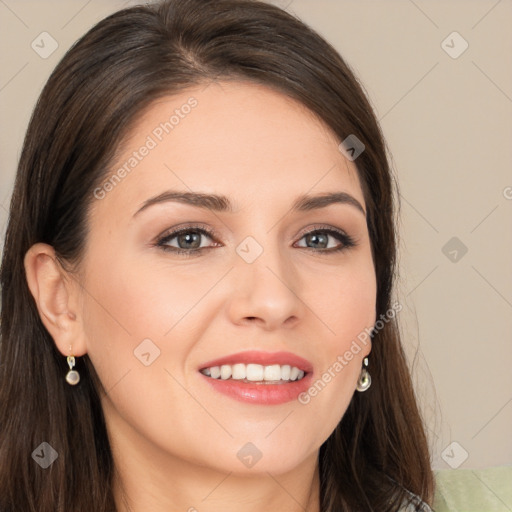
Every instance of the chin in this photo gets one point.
(263, 457)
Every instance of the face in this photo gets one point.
(173, 288)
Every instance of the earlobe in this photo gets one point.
(55, 298)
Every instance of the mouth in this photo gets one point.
(259, 377)
(255, 373)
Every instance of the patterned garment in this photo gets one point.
(418, 505)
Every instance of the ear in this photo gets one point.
(57, 296)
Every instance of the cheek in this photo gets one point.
(347, 308)
(137, 300)
(132, 308)
(135, 348)
(353, 322)
(347, 304)
(119, 314)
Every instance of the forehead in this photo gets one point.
(243, 140)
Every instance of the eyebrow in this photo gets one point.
(220, 203)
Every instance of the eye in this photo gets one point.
(319, 238)
(188, 240)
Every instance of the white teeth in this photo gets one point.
(285, 372)
(238, 371)
(272, 372)
(254, 372)
(225, 371)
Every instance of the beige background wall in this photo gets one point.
(448, 122)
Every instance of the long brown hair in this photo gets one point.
(379, 450)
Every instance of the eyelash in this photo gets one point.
(347, 241)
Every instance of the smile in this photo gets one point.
(251, 372)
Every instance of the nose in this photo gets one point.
(266, 291)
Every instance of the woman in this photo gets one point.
(197, 278)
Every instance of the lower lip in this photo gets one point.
(264, 394)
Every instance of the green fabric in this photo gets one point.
(474, 490)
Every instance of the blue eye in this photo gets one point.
(189, 240)
(190, 236)
(321, 236)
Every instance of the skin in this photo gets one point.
(174, 439)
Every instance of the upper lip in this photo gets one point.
(263, 358)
